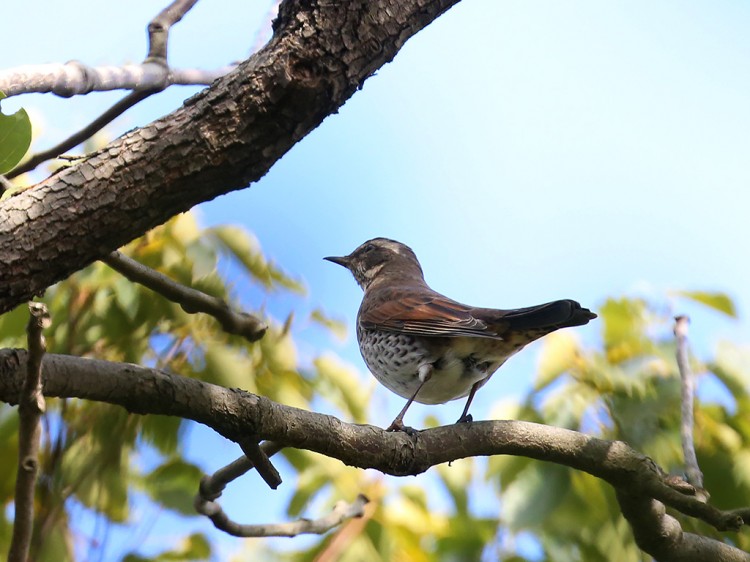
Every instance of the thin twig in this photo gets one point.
(88, 131)
(341, 512)
(191, 300)
(687, 426)
(153, 76)
(158, 28)
(30, 408)
(211, 488)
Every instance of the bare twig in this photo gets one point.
(341, 512)
(343, 538)
(251, 447)
(158, 28)
(88, 131)
(191, 300)
(687, 425)
(30, 408)
(212, 486)
(153, 76)
(74, 78)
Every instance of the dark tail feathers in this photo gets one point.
(554, 315)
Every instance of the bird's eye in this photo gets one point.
(368, 248)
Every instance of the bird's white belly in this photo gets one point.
(452, 376)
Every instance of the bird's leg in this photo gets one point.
(424, 373)
(466, 417)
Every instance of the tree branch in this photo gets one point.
(30, 408)
(74, 78)
(220, 140)
(158, 28)
(687, 424)
(212, 486)
(661, 536)
(79, 136)
(191, 300)
(236, 414)
(158, 36)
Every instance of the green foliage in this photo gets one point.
(625, 387)
(629, 390)
(718, 301)
(90, 453)
(15, 138)
(192, 548)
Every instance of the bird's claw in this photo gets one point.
(398, 425)
(466, 418)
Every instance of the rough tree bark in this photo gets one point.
(222, 139)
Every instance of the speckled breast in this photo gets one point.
(394, 359)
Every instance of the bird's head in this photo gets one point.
(380, 258)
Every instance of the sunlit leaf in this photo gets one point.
(559, 351)
(15, 138)
(340, 384)
(718, 301)
(624, 324)
(337, 327)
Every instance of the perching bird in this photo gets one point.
(426, 347)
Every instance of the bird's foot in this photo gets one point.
(398, 425)
(466, 418)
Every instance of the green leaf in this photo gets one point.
(624, 322)
(559, 351)
(339, 383)
(535, 493)
(718, 301)
(229, 367)
(337, 327)
(163, 432)
(15, 138)
(174, 484)
(192, 547)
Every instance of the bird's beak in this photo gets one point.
(343, 261)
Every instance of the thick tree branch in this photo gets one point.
(191, 300)
(86, 132)
(30, 408)
(237, 414)
(220, 140)
(661, 536)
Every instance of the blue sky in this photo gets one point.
(526, 150)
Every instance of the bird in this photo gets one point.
(431, 349)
